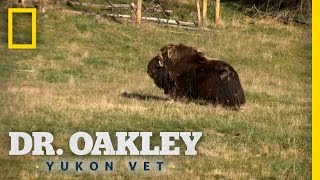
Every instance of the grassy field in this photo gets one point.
(76, 78)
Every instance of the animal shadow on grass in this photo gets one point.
(144, 97)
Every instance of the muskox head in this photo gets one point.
(160, 75)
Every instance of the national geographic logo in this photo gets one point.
(33, 12)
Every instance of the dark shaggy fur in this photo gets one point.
(160, 76)
(194, 76)
(214, 81)
(173, 53)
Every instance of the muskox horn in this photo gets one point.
(160, 60)
(160, 63)
(160, 56)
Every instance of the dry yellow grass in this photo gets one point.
(74, 81)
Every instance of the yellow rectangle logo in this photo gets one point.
(33, 12)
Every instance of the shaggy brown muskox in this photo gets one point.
(195, 76)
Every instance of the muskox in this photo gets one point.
(191, 74)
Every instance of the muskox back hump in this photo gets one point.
(219, 83)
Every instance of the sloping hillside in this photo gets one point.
(76, 78)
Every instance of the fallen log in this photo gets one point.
(167, 21)
(183, 23)
(159, 20)
(123, 6)
(117, 15)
